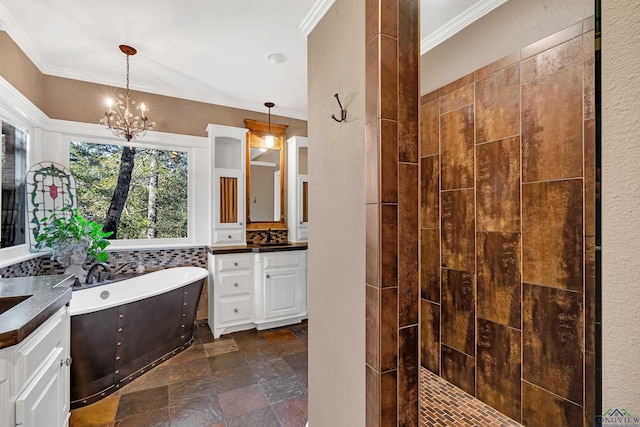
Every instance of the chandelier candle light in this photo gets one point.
(119, 116)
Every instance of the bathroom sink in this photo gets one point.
(7, 303)
(273, 244)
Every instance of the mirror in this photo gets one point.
(265, 176)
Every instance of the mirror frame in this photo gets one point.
(257, 130)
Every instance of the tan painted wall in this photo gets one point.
(336, 271)
(621, 206)
(515, 24)
(74, 100)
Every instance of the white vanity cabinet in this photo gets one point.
(256, 290)
(34, 376)
(281, 288)
(228, 184)
(231, 289)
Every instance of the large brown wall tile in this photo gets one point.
(590, 294)
(589, 389)
(458, 310)
(456, 84)
(588, 45)
(589, 178)
(408, 98)
(389, 245)
(372, 95)
(372, 339)
(372, 392)
(381, 18)
(498, 185)
(408, 232)
(381, 171)
(498, 105)
(430, 194)
(552, 234)
(458, 231)
(456, 148)
(429, 128)
(430, 264)
(388, 329)
(499, 277)
(498, 367)
(498, 65)
(552, 339)
(459, 369)
(552, 126)
(541, 408)
(552, 60)
(553, 40)
(430, 336)
(388, 59)
(372, 242)
(456, 99)
(388, 398)
(408, 376)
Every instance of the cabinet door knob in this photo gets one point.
(66, 362)
(268, 276)
(235, 285)
(235, 310)
(235, 264)
(301, 222)
(240, 223)
(229, 236)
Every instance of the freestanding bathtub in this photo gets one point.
(121, 330)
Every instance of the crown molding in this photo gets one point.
(315, 15)
(18, 109)
(455, 25)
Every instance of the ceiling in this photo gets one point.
(213, 51)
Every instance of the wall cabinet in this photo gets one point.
(298, 181)
(34, 376)
(256, 290)
(228, 183)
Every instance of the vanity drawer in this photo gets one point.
(234, 283)
(234, 262)
(222, 237)
(235, 310)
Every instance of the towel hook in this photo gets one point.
(343, 112)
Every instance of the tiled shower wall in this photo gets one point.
(507, 231)
(157, 259)
(391, 144)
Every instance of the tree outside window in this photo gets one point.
(139, 193)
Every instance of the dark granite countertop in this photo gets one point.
(46, 295)
(257, 248)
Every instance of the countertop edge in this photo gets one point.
(33, 320)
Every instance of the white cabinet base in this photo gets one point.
(279, 323)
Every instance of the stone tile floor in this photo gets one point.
(250, 378)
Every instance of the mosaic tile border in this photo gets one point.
(443, 404)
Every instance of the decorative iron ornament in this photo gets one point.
(50, 187)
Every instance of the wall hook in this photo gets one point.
(343, 112)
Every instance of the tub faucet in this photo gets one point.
(131, 263)
(92, 272)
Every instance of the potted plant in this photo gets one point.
(71, 238)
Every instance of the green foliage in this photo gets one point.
(95, 168)
(70, 225)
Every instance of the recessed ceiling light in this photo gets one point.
(277, 58)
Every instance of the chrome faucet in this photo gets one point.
(92, 272)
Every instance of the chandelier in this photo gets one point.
(120, 117)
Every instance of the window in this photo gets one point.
(13, 170)
(141, 193)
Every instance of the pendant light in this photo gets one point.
(269, 139)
